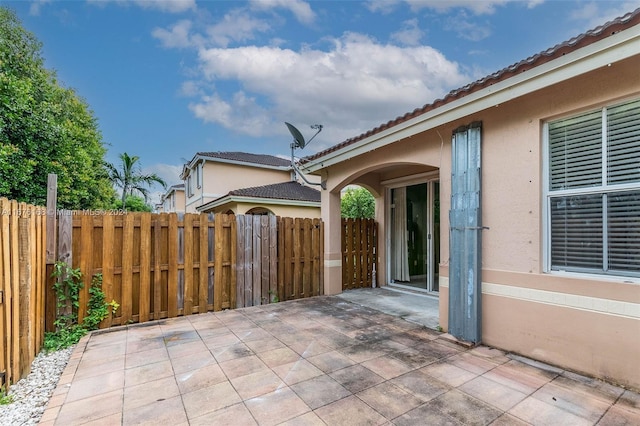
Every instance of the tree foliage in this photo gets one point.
(134, 203)
(357, 203)
(45, 128)
(128, 176)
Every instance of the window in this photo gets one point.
(189, 186)
(593, 191)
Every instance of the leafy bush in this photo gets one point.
(67, 287)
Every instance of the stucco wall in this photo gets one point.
(220, 178)
(589, 324)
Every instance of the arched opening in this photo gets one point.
(260, 211)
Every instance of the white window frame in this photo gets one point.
(604, 188)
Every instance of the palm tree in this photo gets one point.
(130, 178)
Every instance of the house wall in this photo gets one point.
(278, 210)
(585, 323)
(220, 178)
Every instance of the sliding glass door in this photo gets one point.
(414, 243)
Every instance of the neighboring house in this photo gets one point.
(172, 200)
(211, 175)
(516, 200)
(287, 199)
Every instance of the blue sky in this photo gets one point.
(167, 79)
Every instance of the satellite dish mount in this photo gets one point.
(299, 142)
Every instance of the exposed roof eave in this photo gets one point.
(204, 158)
(604, 52)
(255, 200)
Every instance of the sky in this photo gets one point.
(168, 79)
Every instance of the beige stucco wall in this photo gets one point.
(589, 324)
(220, 178)
(278, 210)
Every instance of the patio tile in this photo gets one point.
(110, 420)
(176, 338)
(263, 345)
(256, 384)
(254, 333)
(490, 354)
(276, 407)
(629, 400)
(98, 353)
(95, 385)
(618, 415)
(493, 393)
(464, 409)
(356, 378)
(201, 378)
(227, 353)
(308, 419)
(150, 392)
(308, 349)
(242, 366)
(509, 420)
(363, 352)
(137, 359)
(319, 391)
(350, 411)
(298, 371)
(279, 356)
(589, 387)
(536, 412)
(209, 399)
(389, 400)
(387, 367)
(167, 411)
(573, 400)
(421, 385)
(519, 376)
(236, 415)
(140, 345)
(449, 374)
(92, 408)
(472, 363)
(147, 372)
(413, 357)
(425, 415)
(186, 348)
(331, 361)
(100, 366)
(192, 361)
(218, 340)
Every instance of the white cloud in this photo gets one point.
(593, 14)
(176, 36)
(356, 85)
(300, 9)
(382, 6)
(236, 26)
(171, 6)
(36, 6)
(410, 34)
(466, 28)
(478, 7)
(170, 173)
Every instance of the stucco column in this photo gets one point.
(330, 208)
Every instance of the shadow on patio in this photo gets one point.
(322, 360)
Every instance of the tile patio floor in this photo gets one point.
(317, 361)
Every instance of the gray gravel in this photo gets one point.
(32, 393)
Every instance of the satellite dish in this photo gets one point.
(297, 136)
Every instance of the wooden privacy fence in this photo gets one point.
(22, 287)
(359, 245)
(166, 265)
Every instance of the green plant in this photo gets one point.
(274, 297)
(4, 398)
(68, 330)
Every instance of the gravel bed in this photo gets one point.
(32, 393)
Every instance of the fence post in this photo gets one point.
(51, 251)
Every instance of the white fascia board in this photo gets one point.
(244, 163)
(252, 200)
(617, 47)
